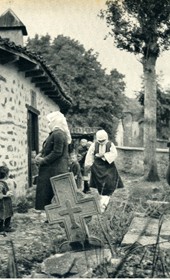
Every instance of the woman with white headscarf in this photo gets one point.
(100, 159)
(53, 159)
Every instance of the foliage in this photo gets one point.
(163, 111)
(139, 26)
(97, 97)
(22, 205)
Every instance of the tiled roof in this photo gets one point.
(55, 91)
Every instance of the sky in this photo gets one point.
(79, 20)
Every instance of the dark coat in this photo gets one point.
(76, 170)
(55, 154)
(168, 174)
(6, 210)
(81, 155)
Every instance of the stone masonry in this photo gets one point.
(15, 92)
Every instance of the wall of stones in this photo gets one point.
(130, 159)
(15, 93)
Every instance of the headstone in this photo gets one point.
(71, 207)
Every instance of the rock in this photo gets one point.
(59, 264)
(157, 203)
(76, 264)
(115, 262)
(39, 275)
(107, 255)
(88, 273)
(88, 260)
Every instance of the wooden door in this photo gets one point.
(33, 138)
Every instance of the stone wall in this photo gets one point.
(130, 133)
(15, 93)
(130, 159)
(161, 143)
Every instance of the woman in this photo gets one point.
(104, 176)
(53, 159)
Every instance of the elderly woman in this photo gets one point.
(100, 158)
(53, 159)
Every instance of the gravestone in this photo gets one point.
(71, 207)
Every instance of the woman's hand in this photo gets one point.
(99, 155)
(39, 160)
(38, 156)
(9, 194)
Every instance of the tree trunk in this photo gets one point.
(150, 165)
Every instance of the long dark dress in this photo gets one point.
(55, 154)
(104, 176)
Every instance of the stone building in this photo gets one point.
(28, 92)
(130, 127)
(130, 143)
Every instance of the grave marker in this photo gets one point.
(71, 207)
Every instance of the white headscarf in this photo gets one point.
(57, 119)
(101, 135)
(83, 141)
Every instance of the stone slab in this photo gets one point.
(138, 224)
(130, 238)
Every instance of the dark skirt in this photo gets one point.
(6, 209)
(44, 191)
(105, 177)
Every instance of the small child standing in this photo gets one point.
(6, 210)
(76, 170)
(34, 168)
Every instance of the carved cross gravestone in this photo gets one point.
(71, 207)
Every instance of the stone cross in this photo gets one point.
(71, 207)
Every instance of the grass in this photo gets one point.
(136, 261)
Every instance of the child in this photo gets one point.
(76, 170)
(81, 153)
(6, 210)
(34, 168)
(86, 176)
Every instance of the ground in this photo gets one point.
(34, 240)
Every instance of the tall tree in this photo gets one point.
(97, 96)
(142, 27)
(163, 111)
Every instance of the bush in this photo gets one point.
(22, 205)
